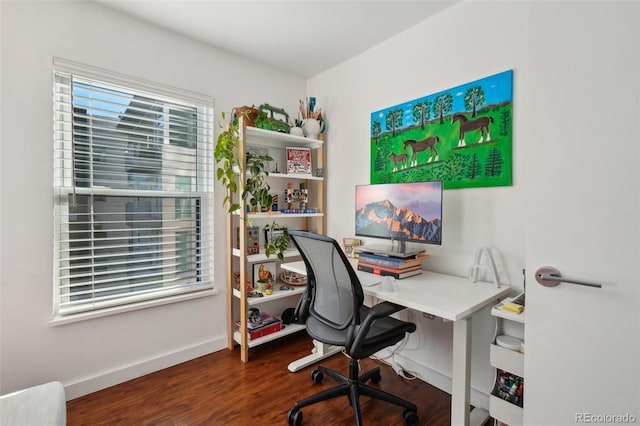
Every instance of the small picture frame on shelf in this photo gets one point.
(277, 232)
(349, 245)
(264, 271)
(298, 161)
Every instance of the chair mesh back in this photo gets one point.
(336, 289)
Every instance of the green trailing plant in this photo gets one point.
(277, 244)
(256, 189)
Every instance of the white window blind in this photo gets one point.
(133, 166)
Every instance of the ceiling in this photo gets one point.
(303, 37)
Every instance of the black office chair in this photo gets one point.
(337, 316)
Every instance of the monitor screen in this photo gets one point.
(403, 212)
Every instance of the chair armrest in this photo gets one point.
(380, 310)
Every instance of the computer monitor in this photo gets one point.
(400, 212)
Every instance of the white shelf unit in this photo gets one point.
(510, 361)
(274, 144)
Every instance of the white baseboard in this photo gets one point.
(129, 372)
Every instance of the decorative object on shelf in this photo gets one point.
(249, 112)
(263, 272)
(296, 128)
(297, 195)
(319, 172)
(293, 278)
(256, 189)
(299, 161)
(265, 286)
(276, 240)
(313, 124)
(273, 232)
(254, 317)
(311, 128)
(297, 131)
(253, 239)
(236, 281)
(509, 387)
(349, 245)
(267, 120)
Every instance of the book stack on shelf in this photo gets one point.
(266, 325)
(397, 267)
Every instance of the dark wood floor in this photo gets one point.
(219, 389)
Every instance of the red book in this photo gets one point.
(396, 273)
(263, 331)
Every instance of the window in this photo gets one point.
(134, 190)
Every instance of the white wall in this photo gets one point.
(468, 41)
(89, 355)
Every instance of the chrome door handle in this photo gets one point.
(550, 277)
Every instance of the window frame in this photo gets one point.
(65, 186)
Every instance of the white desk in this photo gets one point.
(452, 298)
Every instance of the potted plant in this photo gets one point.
(256, 188)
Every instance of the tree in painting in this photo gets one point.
(394, 120)
(474, 98)
(421, 113)
(442, 105)
(494, 163)
(376, 129)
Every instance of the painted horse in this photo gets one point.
(398, 159)
(419, 146)
(467, 125)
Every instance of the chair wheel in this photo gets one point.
(376, 378)
(295, 417)
(317, 376)
(410, 418)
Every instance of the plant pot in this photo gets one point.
(264, 285)
(249, 113)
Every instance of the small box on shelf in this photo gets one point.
(253, 239)
(266, 325)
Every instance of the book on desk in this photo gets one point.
(392, 262)
(396, 267)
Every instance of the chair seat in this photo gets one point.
(384, 332)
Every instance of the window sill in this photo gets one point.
(83, 316)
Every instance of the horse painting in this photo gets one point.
(401, 159)
(419, 146)
(467, 125)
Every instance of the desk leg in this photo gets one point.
(320, 351)
(461, 372)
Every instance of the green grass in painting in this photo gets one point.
(474, 165)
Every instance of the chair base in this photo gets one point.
(353, 387)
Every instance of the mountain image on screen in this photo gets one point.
(383, 218)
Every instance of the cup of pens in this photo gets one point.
(311, 118)
(311, 128)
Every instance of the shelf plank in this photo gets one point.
(297, 267)
(294, 176)
(275, 216)
(500, 312)
(261, 257)
(269, 138)
(277, 294)
(288, 329)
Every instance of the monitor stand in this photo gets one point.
(395, 249)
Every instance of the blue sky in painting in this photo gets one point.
(497, 88)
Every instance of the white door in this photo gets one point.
(580, 120)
